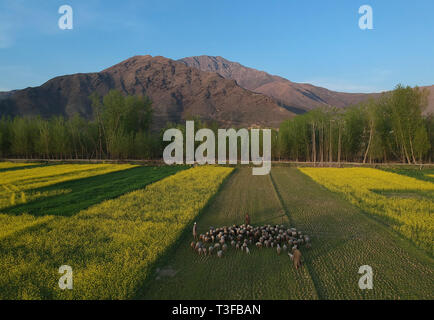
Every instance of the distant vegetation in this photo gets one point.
(389, 129)
(120, 129)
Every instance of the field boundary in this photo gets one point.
(160, 162)
(162, 260)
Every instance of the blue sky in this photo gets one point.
(305, 41)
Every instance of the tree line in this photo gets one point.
(391, 128)
(120, 129)
(388, 129)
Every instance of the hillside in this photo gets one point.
(299, 97)
(177, 91)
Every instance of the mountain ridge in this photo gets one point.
(211, 88)
(178, 92)
(299, 96)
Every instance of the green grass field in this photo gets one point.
(126, 231)
(344, 238)
(260, 275)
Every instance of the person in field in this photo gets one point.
(247, 219)
(296, 258)
(195, 231)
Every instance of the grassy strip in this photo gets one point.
(261, 275)
(345, 238)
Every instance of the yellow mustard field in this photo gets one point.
(17, 187)
(110, 246)
(15, 184)
(405, 203)
(10, 165)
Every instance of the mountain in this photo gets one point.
(211, 88)
(298, 97)
(176, 90)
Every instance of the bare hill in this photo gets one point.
(299, 97)
(177, 91)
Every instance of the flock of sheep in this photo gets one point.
(218, 240)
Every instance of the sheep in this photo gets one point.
(219, 253)
(198, 245)
(241, 237)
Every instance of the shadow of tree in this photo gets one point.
(83, 193)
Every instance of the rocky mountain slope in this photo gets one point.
(211, 88)
(299, 97)
(178, 92)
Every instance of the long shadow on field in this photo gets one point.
(24, 167)
(73, 196)
(413, 173)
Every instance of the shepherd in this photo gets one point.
(195, 231)
(297, 258)
(247, 219)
